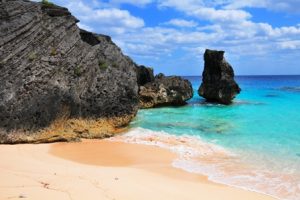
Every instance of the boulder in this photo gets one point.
(218, 84)
(55, 75)
(165, 91)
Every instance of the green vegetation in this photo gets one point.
(115, 65)
(46, 2)
(32, 56)
(102, 65)
(78, 71)
(2, 62)
(53, 52)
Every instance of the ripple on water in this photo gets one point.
(290, 89)
(272, 95)
(204, 103)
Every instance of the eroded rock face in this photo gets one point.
(218, 84)
(144, 75)
(164, 91)
(50, 69)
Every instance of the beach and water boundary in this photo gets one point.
(246, 145)
(103, 169)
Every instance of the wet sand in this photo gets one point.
(101, 169)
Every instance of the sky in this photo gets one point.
(260, 37)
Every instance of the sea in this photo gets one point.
(252, 144)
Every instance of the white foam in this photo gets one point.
(219, 164)
(183, 145)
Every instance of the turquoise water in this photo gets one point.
(261, 128)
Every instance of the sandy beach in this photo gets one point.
(101, 169)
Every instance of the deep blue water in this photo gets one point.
(261, 127)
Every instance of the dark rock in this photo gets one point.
(50, 70)
(164, 91)
(89, 37)
(218, 84)
(55, 11)
(159, 76)
(144, 75)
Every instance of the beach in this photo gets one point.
(143, 100)
(103, 169)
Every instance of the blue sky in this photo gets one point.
(259, 36)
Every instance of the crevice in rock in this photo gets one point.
(89, 37)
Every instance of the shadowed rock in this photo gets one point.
(50, 70)
(218, 84)
(144, 75)
(165, 91)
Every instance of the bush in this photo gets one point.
(102, 65)
(32, 56)
(46, 2)
(53, 52)
(115, 65)
(77, 71)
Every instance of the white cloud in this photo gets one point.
(113, 17)
(213, 14)
(133, 2)
(277, 5)
(106, 19)
(200, 10)
(290, 44)
(182, 23)
(85, 27)
(244, 38)
(187, 5)
(232, 28)
(237, 4)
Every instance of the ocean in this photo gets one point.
(252, 144)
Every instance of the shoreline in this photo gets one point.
(103, 169)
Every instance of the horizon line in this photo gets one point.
(249, 75)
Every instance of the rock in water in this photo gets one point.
(165, 91)
(55, 75)
(218, 84)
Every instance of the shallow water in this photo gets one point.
(253, 143)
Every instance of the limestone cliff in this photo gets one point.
(55, 75)
(165, 91)
(218, 84)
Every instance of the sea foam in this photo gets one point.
(217, 163)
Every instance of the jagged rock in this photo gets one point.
(53, 71)
(144, 75)
(218, 84)
(164, 91)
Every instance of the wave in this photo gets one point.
(217, 163)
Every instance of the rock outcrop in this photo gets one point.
(144, 75)
(165, 91)
(218, 84)
(54, 75)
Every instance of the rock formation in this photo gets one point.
(61, 83)
(164, 91)
(144, 75)
(56, 76)
(218, 84)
